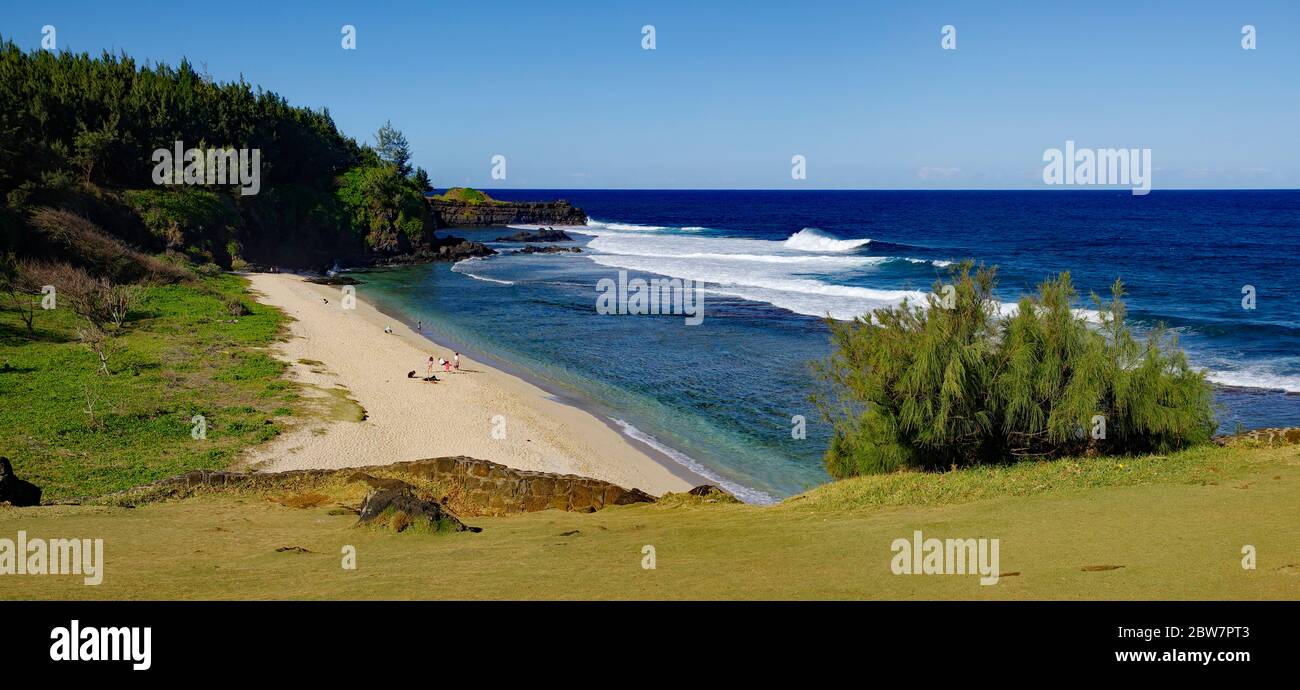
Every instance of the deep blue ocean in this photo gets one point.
(721, 396)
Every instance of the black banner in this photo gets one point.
(988, 640)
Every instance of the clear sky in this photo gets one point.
(733, 90)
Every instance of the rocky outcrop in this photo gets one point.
(534, 249)
(334, 280)
(460, 214)
(1263, 437)
(470, 486)
(398, 508)
(440, 248)
(479, 487)
(542, 235)
(15, 491)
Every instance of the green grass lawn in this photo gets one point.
(1174, 535)
(76, 432)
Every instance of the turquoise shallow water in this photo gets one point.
(696, 394)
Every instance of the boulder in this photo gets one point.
(397, 507)
(534, 249)
(542, 235)
(713, 494)
(15, 491)
(334, 280)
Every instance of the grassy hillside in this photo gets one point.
(1174, 526)
(465, 195)
(189, 349)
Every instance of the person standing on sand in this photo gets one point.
(446, 365)
(457, 361)
(419, 326)
(429, 370)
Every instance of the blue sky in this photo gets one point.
(733, 90)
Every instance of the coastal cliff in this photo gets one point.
(460, 207)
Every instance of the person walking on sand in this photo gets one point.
(429, 369)
(456, 364)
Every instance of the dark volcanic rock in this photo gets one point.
(446, 248)
(534, 249)
(334, 280)
(16, 491)
(455, 214)
(463, 249)
(713, 494)
(398, 508)
(542, 235)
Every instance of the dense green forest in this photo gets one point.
(78, 134)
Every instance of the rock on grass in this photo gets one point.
(398, 508)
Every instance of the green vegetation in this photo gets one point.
(388, 207)
(465, 195)
(77, 431)
(955, 383)
(1177, 535)
(79, 134)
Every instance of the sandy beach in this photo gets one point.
(347, 350)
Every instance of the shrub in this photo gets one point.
(236, 306)
(86, 245)
(960, 383)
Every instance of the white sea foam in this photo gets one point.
(459, 267)
(788, 275)
(937, 263)
(744, 493)
(1260, 377)
(814, 240)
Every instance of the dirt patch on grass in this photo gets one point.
(306, 500)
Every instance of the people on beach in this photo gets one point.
(388, 329)
(429, 369)
(446, 365)
(430, 378)
(457, 362)
(419, 326)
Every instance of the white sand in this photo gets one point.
(409, 419)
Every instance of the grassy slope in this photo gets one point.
(182, 356)
(1178, 534)
(466, 195)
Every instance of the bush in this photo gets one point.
(89, 247)
(236, 306)
(957, 382)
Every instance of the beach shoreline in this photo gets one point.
(479, 410)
